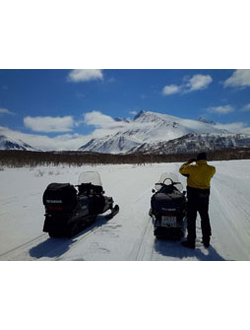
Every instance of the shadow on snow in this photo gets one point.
(56, 247)
(176, 250)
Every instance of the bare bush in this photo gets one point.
(14, 158)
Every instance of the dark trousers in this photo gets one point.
(198, 201)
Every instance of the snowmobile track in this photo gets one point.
(22, 247)
(235, 237)
(143, 246)
(83, 235)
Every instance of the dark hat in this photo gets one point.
(202, 155)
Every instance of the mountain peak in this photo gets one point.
(7, 143)
(140, 114)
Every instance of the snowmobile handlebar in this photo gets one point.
(172, 183)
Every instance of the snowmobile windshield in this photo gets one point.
(92, 177)
(169, 179)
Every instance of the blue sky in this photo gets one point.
(71, 104)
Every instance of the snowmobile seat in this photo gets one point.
(89, 188)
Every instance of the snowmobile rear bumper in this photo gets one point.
(66, 227)
(169, 233)
(58, 225)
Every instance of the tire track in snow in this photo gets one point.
(13, 253)
(81, 237)
(143, 248)
(227, 225)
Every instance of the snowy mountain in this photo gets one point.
(7, 143)
(118, 143)
(149, 131)
(193, 143)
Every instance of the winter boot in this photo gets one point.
(188, 244)
(206, 242)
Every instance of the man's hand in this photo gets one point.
(185, 169)
(191, 160)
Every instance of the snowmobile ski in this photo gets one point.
(114, 211)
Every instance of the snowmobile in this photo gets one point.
(69, 209)
(168, 207)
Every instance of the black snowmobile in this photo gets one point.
(168, 207)
(69, 210)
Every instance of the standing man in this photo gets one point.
(198, 191)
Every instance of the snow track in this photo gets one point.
(23, 248)
(129, 235)
(230, 218)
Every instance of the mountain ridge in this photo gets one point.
(193, 143)
(150, 130)
(7, 143)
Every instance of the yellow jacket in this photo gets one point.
(199, 174)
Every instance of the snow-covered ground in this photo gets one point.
(129, 235)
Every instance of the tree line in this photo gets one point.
(20, 158)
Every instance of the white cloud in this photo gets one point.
(223, 109)
(246, 107)
(134, 113)
(81, 75)
(99, 120)
(49, 124)
(236, 128)
(46, 143)
(104, 125)
(240, 78)
(197, 82)
(171, 89)
(6, 111)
